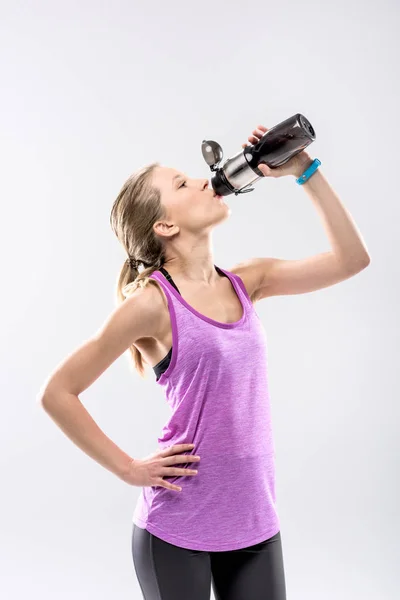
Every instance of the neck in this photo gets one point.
(192, 273)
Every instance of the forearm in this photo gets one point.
(68, 412)
(344, 237)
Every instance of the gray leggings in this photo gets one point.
(169, 572)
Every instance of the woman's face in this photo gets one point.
(191, 204)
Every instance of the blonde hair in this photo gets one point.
(135, 210)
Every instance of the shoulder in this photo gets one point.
(248, 272)
(148, 303)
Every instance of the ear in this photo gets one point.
(165, 229)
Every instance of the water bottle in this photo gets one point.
(276, 147)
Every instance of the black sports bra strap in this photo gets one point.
(168, 276)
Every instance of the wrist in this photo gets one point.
(302, 166)
(125, 467)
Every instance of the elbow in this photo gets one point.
(358, 265)
(43, 397)
(40, 396)
(365, 262)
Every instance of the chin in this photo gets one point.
(225, 213)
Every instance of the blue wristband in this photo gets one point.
(308, 172)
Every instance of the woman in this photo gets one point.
(206, 514)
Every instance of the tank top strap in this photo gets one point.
(168, 276)
(178, 304)
(240, 288)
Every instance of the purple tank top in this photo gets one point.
(217, 388)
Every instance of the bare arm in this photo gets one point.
(75, 421)
(59, 396)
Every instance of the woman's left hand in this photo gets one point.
(295, 166)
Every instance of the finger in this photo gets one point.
(176, 460)
(176, 448)
(256, 137)
(173, 471)
(265, 170)
(167, 485)
(259, 132)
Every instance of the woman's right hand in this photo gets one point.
(150, 470)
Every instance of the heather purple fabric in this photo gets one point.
(217, 388)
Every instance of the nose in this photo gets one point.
(205, 184)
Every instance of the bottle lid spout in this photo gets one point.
(212, 152)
